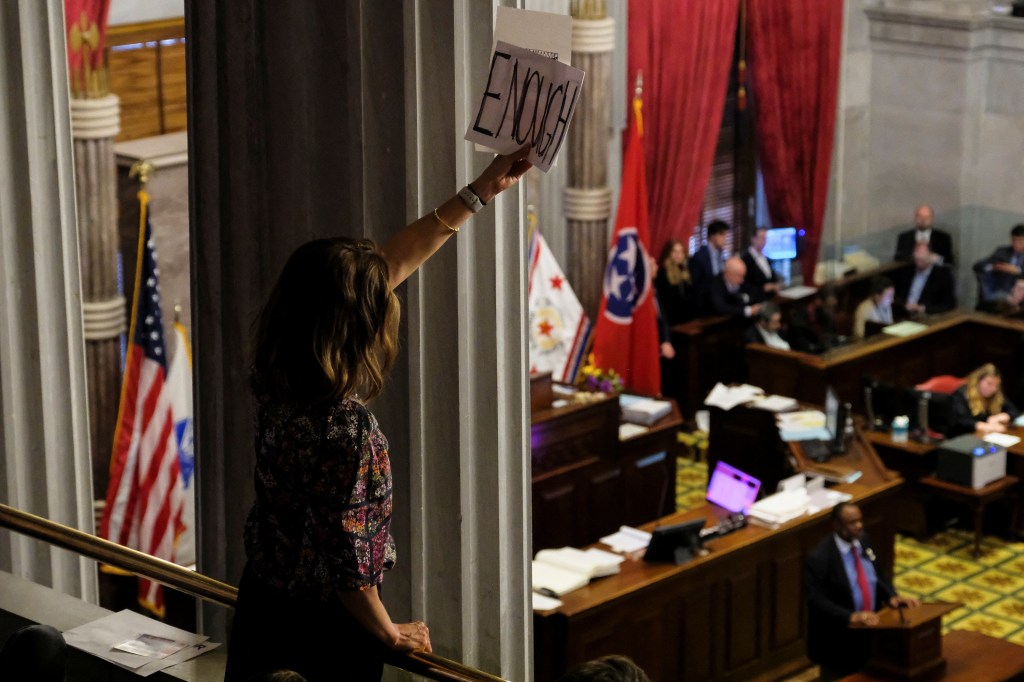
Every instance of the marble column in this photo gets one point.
(379, 142)
(588, 199)
(94, 124)
(45, 467)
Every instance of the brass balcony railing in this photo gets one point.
(430, 666)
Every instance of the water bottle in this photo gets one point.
(900, 428)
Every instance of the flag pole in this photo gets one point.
(638, 102)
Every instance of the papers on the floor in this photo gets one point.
(798, 292)
(774, 403)
(728, 397)
(627, 539)
(1003, 440)
(137, 643)
(544, 603)
(640, 410)
(802, 425)
(905, 328)
(627, 431)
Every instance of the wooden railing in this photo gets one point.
(431, 666)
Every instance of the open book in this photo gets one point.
(557, 571)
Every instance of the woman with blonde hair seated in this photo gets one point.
(980, 406)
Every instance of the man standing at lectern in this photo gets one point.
(844, 588)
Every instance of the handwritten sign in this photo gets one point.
(528, 98)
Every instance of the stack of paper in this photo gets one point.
(566, 569)
(627, 539)
(1004, 440)
(802, 425)
(135, 642)
(798, 292)
(774, 403)
(640, 410)
(728, 397)
(627, 431)
(905, 328)
(779, 508)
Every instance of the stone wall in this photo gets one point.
(931, 111)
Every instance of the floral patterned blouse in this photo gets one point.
(322, 518)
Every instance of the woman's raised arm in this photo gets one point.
(418, 241)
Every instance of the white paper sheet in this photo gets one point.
(1003, 440)
(101, 636)
(527, 97)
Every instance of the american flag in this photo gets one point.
(145, 497)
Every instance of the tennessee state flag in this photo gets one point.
(626, 335)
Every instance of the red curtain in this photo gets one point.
(794, 53)
(684, 49)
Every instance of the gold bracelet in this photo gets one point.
(453, 229)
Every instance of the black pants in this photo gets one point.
(34, 652)
(322, 642)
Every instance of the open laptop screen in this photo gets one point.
(732, 489)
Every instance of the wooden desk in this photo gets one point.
(914, 461)
(734, 614)
(977, 499)
(587, 482)
(955, 343)
(710, 349)
(971, 657)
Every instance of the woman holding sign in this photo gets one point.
(317, 538)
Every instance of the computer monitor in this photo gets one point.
(731, 489)
(677, 543)
(781, 243)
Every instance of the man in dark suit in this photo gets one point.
(729, 294)
(937, 240)
(927, 289)
(844, 588)
(761, 279)
(709, 260)
(998, 273)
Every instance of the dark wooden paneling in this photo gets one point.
(605, 500)
(786, 595)
(651, 482)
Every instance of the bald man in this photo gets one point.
(938, 241)
(729, 293)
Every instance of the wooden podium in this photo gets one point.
(909, 646)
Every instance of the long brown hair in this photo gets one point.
(329, 329)
(674, 272)
(978, 403)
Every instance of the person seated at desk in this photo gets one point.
(998, 273)
(844, 588)
(812, 328)
(929, 288)
(762, 281)
(729, 294)
(877, 307)
(979, 405)
(709, 261)
(937, 240)
(673, 284)
(1013, 304)
(767, 328)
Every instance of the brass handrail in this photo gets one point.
(204, 587)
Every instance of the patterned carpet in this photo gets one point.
(991, 587)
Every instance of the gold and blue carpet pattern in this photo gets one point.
(991, 587)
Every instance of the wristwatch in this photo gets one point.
(472, 200)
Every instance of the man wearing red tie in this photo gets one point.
(844, 588)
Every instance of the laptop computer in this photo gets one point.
(732, 490)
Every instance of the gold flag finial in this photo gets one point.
(143, 170)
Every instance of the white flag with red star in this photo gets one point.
(559, 329)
